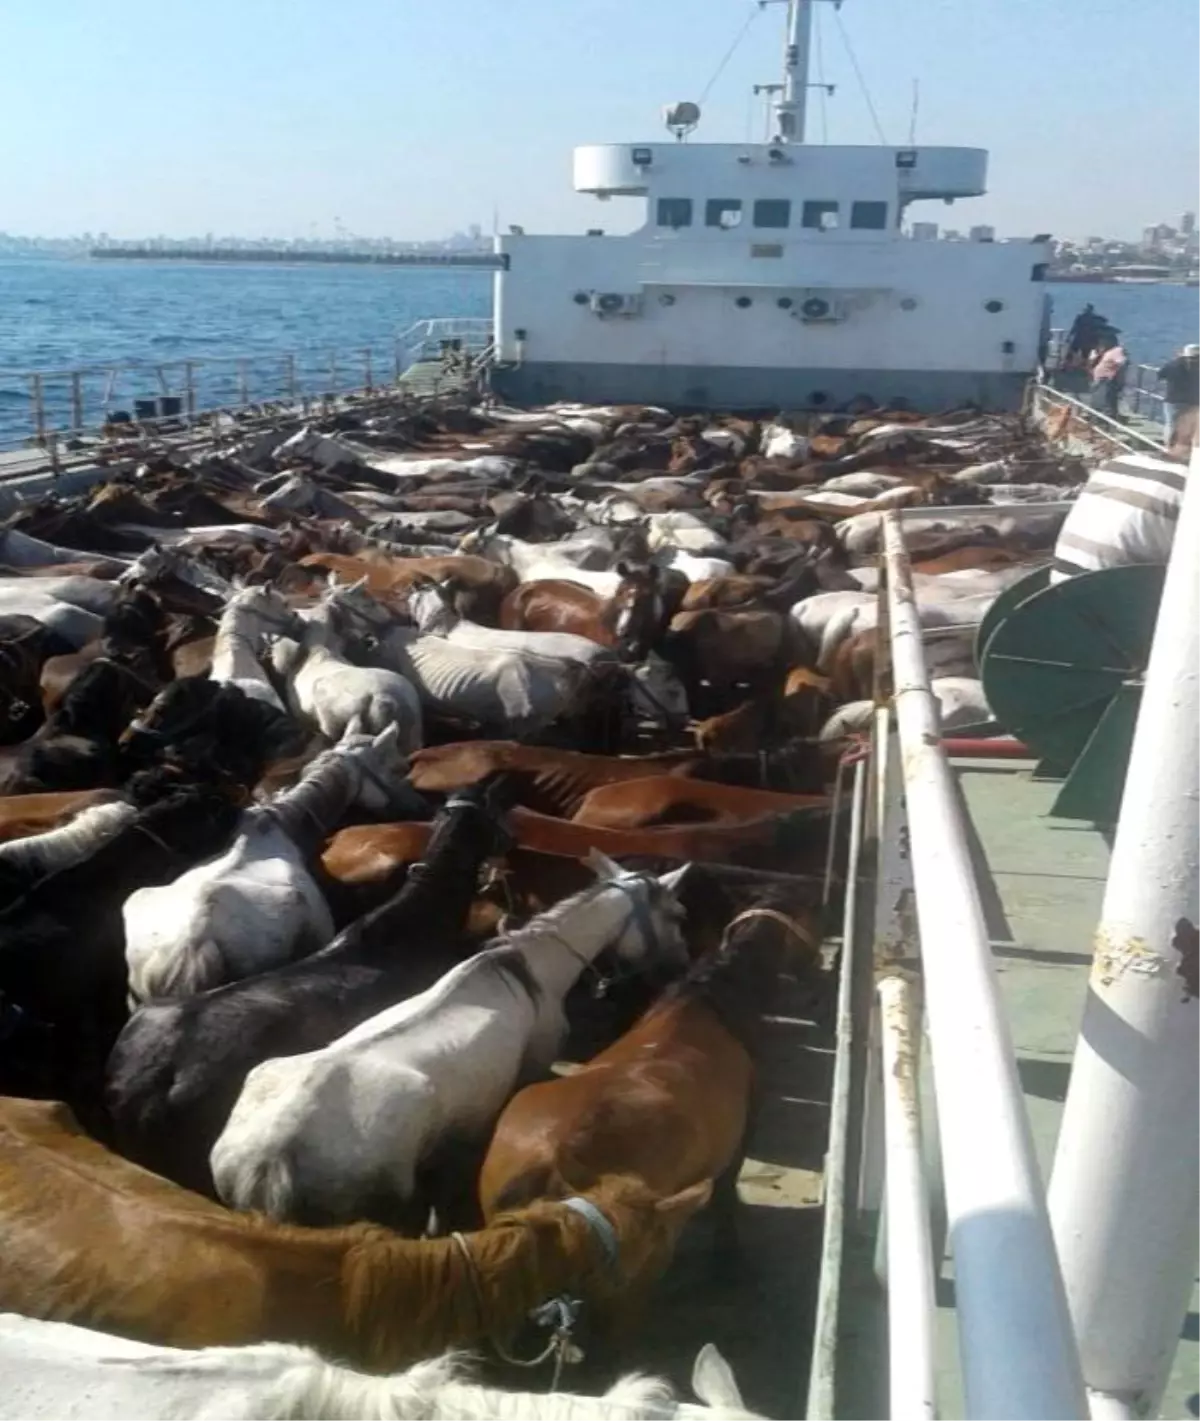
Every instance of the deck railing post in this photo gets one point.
(189, 388)
(368, 381)
(1124, 1194)
(289, 375)
(38, 400)
(76, 400)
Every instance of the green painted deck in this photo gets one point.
(1041, 882)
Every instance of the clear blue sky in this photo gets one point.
(412, 118)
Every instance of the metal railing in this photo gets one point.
(1017, 1349)
(69, 404)
(1141, 395)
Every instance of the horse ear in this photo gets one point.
(673, 881)
(387, 737)
(680, 1207)
(601, 865)
(713, 1380)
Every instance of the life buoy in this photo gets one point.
(814, 308)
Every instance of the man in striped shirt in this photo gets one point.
(1126, 513)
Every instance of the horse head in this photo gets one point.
(653, 932)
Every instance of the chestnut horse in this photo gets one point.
(668, 1103)
(631, 620)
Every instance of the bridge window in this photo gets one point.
(819, 214)
(772, 212)
(872, 215)
(674, 211)
(723, 212)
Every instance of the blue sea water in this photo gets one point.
(57, 315)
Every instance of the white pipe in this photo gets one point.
(1017, 1350)
(1123, 1194)
(821, 1400)
(911, 1304)
(964, 512)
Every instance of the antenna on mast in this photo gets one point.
(912, 122)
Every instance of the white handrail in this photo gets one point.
(1018, 1353)
(911, 1304)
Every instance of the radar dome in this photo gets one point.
(681, 118)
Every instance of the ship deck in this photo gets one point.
(1041, 883)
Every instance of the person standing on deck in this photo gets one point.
(1182, 379)
(1108, 376)
(1082, 337)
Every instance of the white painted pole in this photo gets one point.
(910, 1284)
(1124, 1195)
(1019, 1358)
(793, 100)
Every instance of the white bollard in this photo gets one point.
(1123, 1195)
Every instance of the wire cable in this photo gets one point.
(862, 83)
(822, 86)
(729, 53)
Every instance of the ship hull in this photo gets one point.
(730, 387)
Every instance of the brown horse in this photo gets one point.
(670, 799)
(631, 620)
(22, 815)
(798, 712)
(555, 781)
(669, 1102)
(91, 1239)
(481, 586)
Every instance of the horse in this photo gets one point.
(26, 815)
(673, 799)
(554, 781)
(668, 1103)
(92, 1239)
(62, 946)
(77, 747)
(629, 622)
(329, 691)
(213, 727)
(256, 905)
(57, 1364)
(24, 861)
(249, 614)
(341, 1133)
(178, 1066)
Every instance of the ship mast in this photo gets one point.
(793, 98)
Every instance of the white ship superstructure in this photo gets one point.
(770, 274)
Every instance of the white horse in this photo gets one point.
(339, 1134)
(256, 905)
(337, 696)
(56, 849)
(248, 616)
(509, 693)
(54, 1371)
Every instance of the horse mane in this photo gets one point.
(403, 1298)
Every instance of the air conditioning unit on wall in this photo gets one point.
(616, 303)
(817, 309)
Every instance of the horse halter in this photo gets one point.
(788, 924)
(637, 887)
